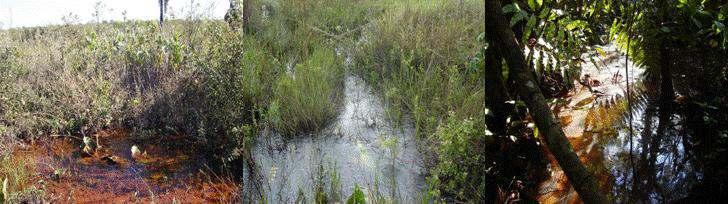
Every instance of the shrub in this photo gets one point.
(460, 158)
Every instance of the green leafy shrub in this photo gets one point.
(459, 169)
(235, 86)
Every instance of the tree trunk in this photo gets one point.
(667, 91)
(247, 9)
(496, 92)
(500, 34)
(161, 12)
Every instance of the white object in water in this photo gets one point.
(135, 152)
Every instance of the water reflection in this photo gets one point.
(658, 161)
(360, 148)
(654, 165)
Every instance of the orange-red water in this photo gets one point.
(168, 172)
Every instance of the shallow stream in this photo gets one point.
(361, 147)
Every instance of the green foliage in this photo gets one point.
(357, 197)
(460, 161)
(321, 197)
(418, 55)
(692, 24)
(35, 105)
(17, 176)
(558, 37)
(430, 34)
(293, 29)
(419, 68)
(198, 78)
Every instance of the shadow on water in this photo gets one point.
(670, 155)
(656, 164)
(360, 148)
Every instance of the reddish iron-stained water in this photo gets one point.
(658, 162)
(168, 172)
(588, 119)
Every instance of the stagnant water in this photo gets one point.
(360, 148)
(652, 164)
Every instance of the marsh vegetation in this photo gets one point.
(371, 101)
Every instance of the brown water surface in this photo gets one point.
(168, 172)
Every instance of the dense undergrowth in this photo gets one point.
(193, 77)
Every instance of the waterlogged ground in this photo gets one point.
(165, 174)
(360, 148)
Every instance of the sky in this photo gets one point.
(27, 13)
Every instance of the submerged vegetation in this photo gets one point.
(484, 86)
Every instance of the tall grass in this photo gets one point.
(417, 53)
(309, 93)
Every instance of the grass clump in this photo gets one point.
(421, 65)
(294, 29)
(308, 94)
